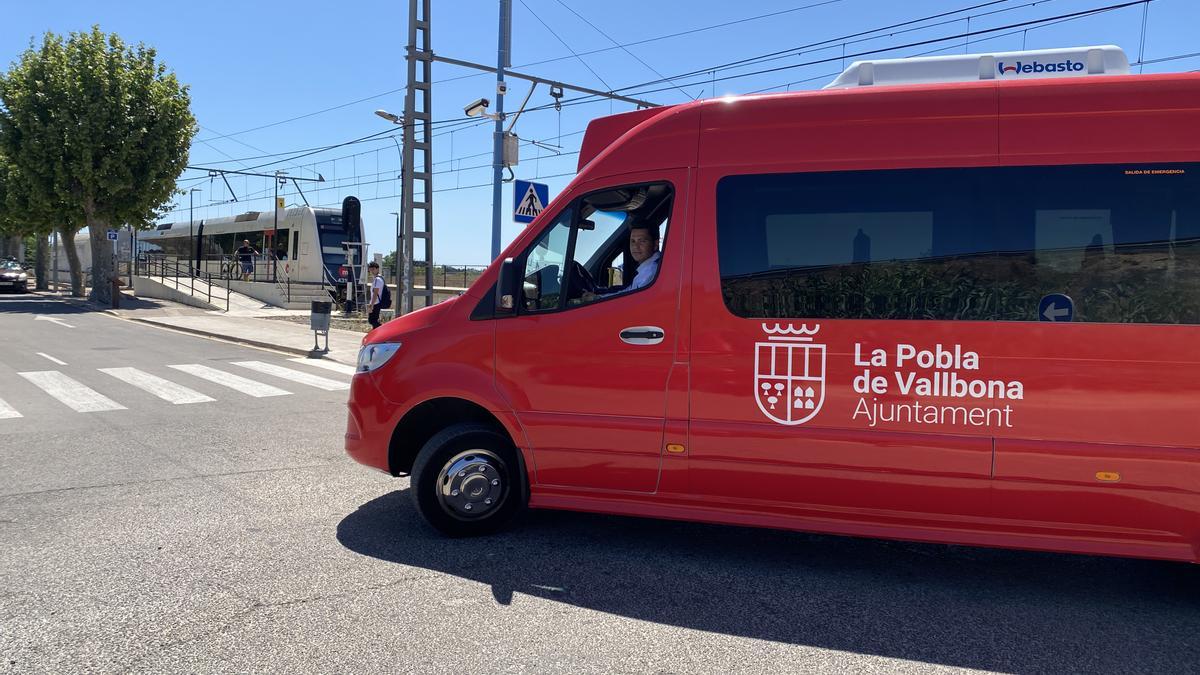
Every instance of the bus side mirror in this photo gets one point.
(508, 288)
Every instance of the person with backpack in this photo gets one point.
(381, 297)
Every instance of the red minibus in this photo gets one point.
(963, 312)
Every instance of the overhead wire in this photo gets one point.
(230, 157)
(713, 69)
(1034, 23)
(844, 39)
(336, 184)
(919, 43)
(692, 31)
(932, 51)
(589, 99)
(564, 43)
(586, 99)
(376, 135)
(1164, 59)
(292, 193)
(623, 48)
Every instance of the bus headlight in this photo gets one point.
(375, 355)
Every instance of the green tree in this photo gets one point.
(16, 221)
(98, 132)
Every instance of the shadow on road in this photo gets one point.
(958, 606)
(50, 305)
(28, 303)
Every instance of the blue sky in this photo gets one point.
(251, 65)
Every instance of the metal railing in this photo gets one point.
(182, 276)
(228, 267)
(450, 276)
(283, 284)
(456, 276)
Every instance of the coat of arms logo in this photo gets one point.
(789, 374)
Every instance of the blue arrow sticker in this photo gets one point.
(1056, 307)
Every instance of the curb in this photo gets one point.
(227, 338)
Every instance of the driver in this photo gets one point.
(643, 246)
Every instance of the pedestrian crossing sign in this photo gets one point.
(528, 200)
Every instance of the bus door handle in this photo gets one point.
(642, 335)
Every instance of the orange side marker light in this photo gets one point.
(1108, 476)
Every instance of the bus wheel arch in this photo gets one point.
(429, 418)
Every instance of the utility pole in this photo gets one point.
(396, 262)
(503, 60)
(274, 225)
(191, 235)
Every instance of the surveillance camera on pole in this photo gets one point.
(478, 108)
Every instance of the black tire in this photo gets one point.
(467, 481)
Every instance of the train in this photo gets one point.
(305, 244)
(301, 244)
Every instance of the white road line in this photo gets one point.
(47, 356)
(294, 375)
(327, 365)
(74, 395)
(235, 382)
(164, 389)
(7, 411)
(54, 320)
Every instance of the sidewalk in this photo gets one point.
(247, 326)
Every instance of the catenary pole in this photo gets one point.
(503, 60)
(417, 202)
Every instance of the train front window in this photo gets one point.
(331, 235)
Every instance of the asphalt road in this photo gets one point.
(233, 535)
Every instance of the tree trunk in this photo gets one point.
(41, 264)
(10, 246)
(102, 260)
(67, 236)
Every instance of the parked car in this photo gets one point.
(13, 277)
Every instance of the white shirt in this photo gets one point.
(376, 285)
(646, 272)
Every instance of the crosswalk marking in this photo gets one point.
(164, 389)
(327, 365)
(71, 393)
(235, 382)
(293, 375)
(7, 411)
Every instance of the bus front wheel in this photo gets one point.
(466, 481)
